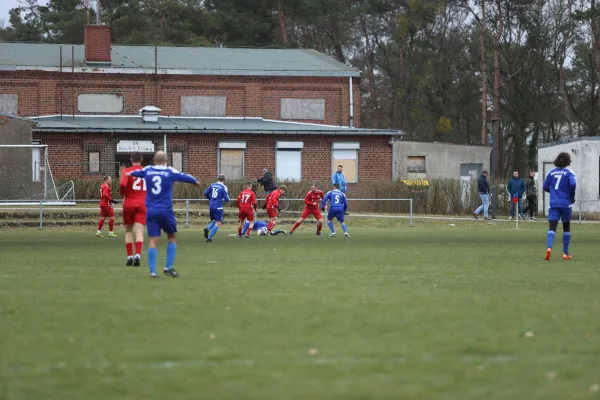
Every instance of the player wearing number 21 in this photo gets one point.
(561, 185)
(159, 179)
(216, 195)
(133, 190)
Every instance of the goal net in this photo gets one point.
(26, 178)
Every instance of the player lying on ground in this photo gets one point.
(246, 203)
(311, 207)
(261, 229)
(337, 208)
(561, 185)
(133, 191)
(106, 208)
(272, 206)
(216, 195)
(159, 180)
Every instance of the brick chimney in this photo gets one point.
(97, 44)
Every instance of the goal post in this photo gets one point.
(26, 177)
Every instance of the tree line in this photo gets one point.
(441, 70)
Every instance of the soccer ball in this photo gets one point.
(263, 231)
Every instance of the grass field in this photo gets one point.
(470, 311)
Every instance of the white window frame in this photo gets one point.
(349, 146)
(288, 147)
(238, 145)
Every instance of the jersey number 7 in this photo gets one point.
(558, 178)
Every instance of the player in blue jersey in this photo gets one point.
(261, 229)
(561, 185)
(159, 179)
(216, 195)
(337, 208)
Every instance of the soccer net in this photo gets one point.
(26, 178)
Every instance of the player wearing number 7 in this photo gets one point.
(561, 185)
(133, 190)
(337, 208)
(216, 194)
(159, 180)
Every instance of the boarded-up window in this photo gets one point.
(231, 163)
(93, 161)
(309, 109)
(106, 103)
(9, 104)
(203, 106)
(415, 164)
(177, 160)
(348, 159)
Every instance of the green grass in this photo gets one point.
(430, 312)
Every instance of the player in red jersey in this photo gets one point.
(134, 209)
(272, 206)
(311, 207)
(106, 208)
(246, 203)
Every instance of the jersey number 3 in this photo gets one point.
(157, 181)
(139, 184)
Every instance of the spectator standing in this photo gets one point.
(483, 187)
(516, 188)
(267, 181)
(531, 196)
(339, 179)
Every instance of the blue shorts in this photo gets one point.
(217, 215)
(335, 213)
(160, 219)
(560, 213)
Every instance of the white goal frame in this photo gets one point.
(48, 178)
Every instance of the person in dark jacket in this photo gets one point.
(531, 193)
(267, 181)
(483, 187)
(516, 188)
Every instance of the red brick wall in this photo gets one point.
(200, 155)
(46, 93)
(97, 43)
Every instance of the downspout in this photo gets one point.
(351, 124)
(394, 169)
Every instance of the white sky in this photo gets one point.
(6, 5)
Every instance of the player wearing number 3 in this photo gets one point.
(133, 190)
(159, 180)
(216, 194)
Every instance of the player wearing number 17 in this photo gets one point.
(337, 208)
(561, 185)
(159, 180)
(133, 190)
(246, 203)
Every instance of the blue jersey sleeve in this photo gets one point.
(207, 192)
(572, 187)
(547, 183)
(181, 177)
(225, 196)
(325, 199)
(345, 203)
(140, 173)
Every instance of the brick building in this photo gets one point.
(228, 110)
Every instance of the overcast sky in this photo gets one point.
(6, 5)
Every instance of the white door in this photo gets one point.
(547, 168)
(35, 164)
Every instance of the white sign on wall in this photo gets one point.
(129, 146)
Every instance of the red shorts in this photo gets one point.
(107, 212)
(246, 215)
(271, 211)
(134, 215)
(311, 211)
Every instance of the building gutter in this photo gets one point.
(221, 132)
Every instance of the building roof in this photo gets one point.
(194, 125)
(176, 60)
(568, 140)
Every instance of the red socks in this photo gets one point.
(138, 247)
(296, 225)
(239, 231)
(319, 227)
(271, 226)
(100, 224)
(111, 223)
(249, 232)
(129, 247)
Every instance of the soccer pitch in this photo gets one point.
(470, 311)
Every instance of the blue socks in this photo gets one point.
(211, 225)
(171, 253)
(551, 235)
(344, 228)
(330, 225)
(213, 231)
(566, 242)
(152, 260)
